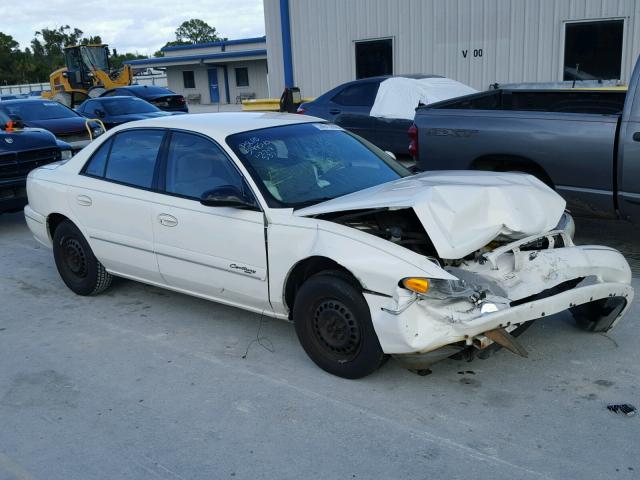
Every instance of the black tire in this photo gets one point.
(333, 323)
(77, 265)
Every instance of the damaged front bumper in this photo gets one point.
(522, 285)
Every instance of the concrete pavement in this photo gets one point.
(142, 383)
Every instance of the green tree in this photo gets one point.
(117, 59)
(8, 50)
(95, 40)
(196, 31)
(191, 32)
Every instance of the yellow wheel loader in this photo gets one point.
(87, 74)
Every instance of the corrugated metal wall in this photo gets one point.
(521, 40)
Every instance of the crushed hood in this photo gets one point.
(461, 211)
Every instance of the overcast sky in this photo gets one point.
(131, 25)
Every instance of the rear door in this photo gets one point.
(216, 252)
(351, 106)
(113, 201)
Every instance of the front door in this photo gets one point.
(216, 252)
(214, 92)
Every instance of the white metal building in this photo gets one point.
(317, 45)
(215, 72)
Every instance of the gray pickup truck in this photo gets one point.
(583, 143)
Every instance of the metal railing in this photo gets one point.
(27, 88)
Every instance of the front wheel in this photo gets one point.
(77, 265)
(333, 323)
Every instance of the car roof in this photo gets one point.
(220, 125)
(145, 88)
(114, 97)
(380, 78)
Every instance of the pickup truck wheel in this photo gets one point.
(333, 323)
(77, 265)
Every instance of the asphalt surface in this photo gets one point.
(142, 383)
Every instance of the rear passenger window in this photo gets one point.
(95, 166)
(133, 157)
(196, 165)
(360, 95)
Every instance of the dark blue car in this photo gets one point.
(22, 150)
(114, 111)
(66, 124)
(349, 105)
(161, 97)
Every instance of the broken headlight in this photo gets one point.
(438, 288)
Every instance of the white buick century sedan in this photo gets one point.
(295, 218)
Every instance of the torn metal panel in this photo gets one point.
(461, 211)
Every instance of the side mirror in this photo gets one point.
(226, 196)
(391, 154)
(99, 113)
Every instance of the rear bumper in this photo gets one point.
(38, 225)
(408, 324)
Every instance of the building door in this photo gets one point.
(214, 92)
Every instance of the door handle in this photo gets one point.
(84, 200)
(334, 111)
(167, 220)
(636, 137)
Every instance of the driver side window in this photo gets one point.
(196, 165)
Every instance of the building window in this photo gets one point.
(593, 50)
(189, 79)
(242, 77)
(373, 58)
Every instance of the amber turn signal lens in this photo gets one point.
(418, 285)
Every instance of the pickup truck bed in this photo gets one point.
(583, 143)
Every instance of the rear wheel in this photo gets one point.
(333, 323)
(77, 265)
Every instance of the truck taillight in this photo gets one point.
(413, 141)
(301, 110)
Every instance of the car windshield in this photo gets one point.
(4, 118)
(33, 110)
(123, 106)
(304, 164)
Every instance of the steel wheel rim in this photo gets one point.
(74, 257)
(336, 330)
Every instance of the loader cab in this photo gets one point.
(82, 60)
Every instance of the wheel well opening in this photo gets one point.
(509, 163)
(309, 267)
(53, 221)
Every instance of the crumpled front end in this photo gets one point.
(502, 289)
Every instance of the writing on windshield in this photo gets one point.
(301, 164)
